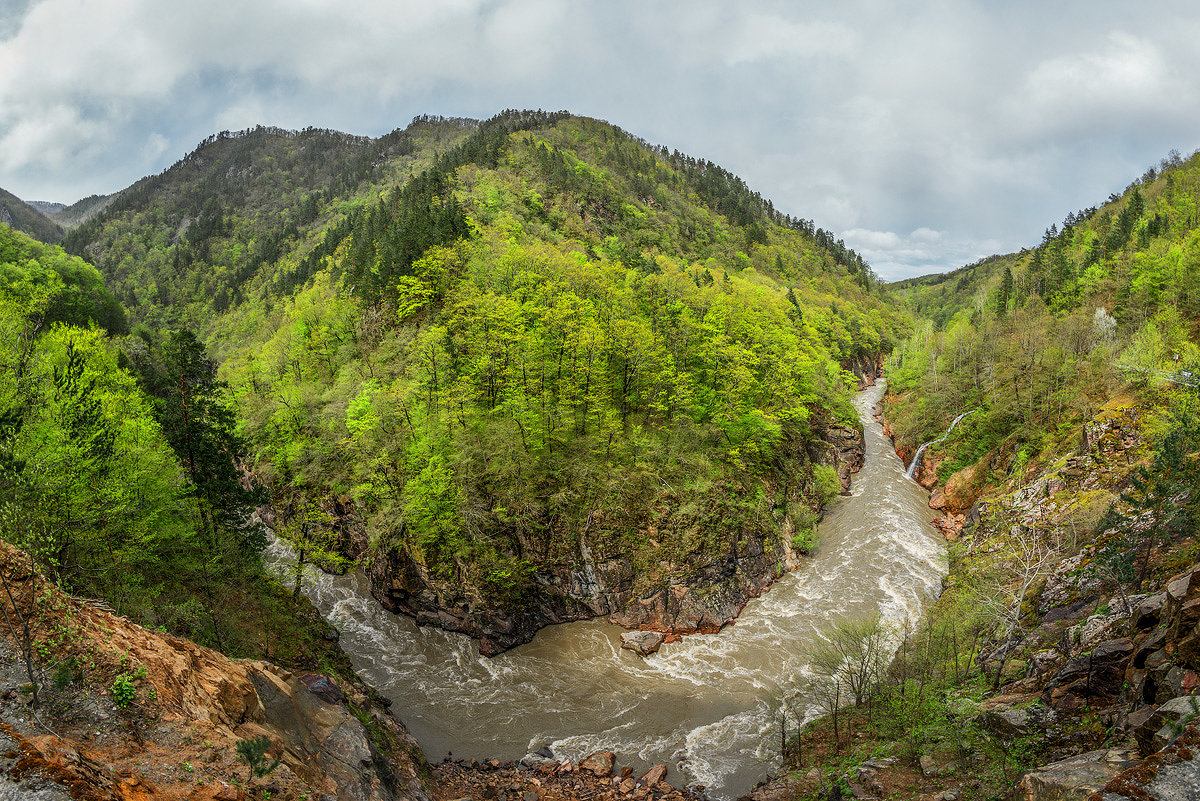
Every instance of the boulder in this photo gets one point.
(653, 776)
(1100, 673)
(1073, 779)
(600, 763)
(937, 500)
(933, 765)
(962, 489)
(1156, 731)
(323, 687)
(1149, 611)
(1010, 723)
(642, 643)
(1007, 723)
(1185, 633)
(1172, 774)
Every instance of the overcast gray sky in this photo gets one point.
(927, 133)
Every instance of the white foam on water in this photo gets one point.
(726, 745)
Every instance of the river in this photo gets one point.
(705, 706)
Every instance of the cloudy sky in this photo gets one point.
(927, 133)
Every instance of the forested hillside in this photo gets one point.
(181, 247)
(17, 214)
(1040, 339)
(118, 463)
(464, 349)
(1060, 659)
(81, 211)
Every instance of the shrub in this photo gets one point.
(124, 692)
(826, 483)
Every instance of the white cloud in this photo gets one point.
(968, 125)
(762, 37)
(894, 256)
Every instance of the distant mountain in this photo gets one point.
(21, 216)
(81, 211)
(46, 207)
(193, 240)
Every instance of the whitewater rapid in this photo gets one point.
(706, 706)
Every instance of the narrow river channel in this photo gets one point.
(705, 706)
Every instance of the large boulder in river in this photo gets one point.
(642, 643)
(653, 776)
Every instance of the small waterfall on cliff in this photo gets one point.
(594, 588)
(916, 462)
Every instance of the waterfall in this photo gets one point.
(916, 462)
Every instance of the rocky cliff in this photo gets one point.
(1097, 676)
(128, 713)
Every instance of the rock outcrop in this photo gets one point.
(172, 732)
(642, 643)
(593, 779)
(1074, 778)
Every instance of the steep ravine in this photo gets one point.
(700, 590)
(705, 705)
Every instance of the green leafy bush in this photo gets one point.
(124, 691)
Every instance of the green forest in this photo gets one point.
(1041, 340)
(471, 358)
(472, 341)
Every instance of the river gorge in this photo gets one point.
(707, 705)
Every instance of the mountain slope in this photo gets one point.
(20, 216)
(81, 211)
(183, 246)
(542, 378)
(1043, 334)
(1062, 652)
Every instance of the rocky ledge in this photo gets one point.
(595, 777)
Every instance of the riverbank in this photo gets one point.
(1041, 672)
(670, 561)
(597, 777)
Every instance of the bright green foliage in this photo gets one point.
(124, 691)
(573, 353)
(1039, 340)
(94, 488)
(91, 484)
(76, 290)
(492, 334)
(28, 220)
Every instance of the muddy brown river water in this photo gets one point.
(706, 706)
